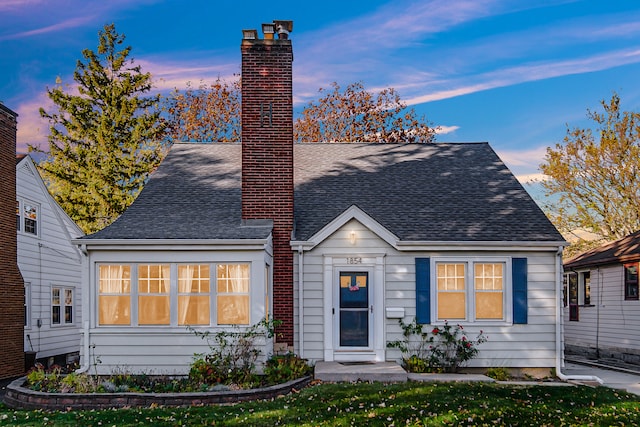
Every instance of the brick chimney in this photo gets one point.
(11, 283)
(267, 152)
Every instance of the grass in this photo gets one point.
(364, 404)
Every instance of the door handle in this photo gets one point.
(371, 308)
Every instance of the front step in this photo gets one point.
(387, 372)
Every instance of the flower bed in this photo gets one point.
(19, 397)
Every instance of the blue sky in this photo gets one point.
(514, 73)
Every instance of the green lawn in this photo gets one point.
(410, 404)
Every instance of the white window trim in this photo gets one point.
(63, 305)
(21, 230)
(470, 290)
(173, 294)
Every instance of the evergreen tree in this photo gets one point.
(106, 138)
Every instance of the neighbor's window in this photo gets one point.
(153, 294)
(30, 212)
(114, 295)
(484, 299)
(61, 306)
(631, 281)
(233, 294)
(193, 294)
(27, 217)
(573, 297)
(586, 287)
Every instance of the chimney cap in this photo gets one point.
(283, 28)
(250, 34)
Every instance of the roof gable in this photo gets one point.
(353, 212)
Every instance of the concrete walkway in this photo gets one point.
(613, 377)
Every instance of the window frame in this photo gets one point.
(584, 288)
(174, 293)
(21, 218)
(470, 291)
(628, 296)
(63, 306)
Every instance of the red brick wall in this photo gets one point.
(11, 283)
(267, 159)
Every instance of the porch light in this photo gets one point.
(250, 34)
(268, 30)
(352, 237)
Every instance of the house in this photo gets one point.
(339, 241)
(12, 358)
(602, 309)
(51, 267)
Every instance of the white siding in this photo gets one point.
(610, 323)
(527, 346)
(155, 349)
(47, 260)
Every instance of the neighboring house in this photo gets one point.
(12, 358)
(602, 309)
(51, 267)
(337, 240)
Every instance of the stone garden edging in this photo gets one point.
(19, 397)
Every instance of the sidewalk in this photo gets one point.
(614, 376)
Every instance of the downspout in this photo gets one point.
(599, 302)
(300, 301)
(559, 325)
(85, 324)
(85, 341)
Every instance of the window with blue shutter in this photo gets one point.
(423, 290)
(519, 272)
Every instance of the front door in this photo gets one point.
(354, 309)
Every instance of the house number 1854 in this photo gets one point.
(354, 260)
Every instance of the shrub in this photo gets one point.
(498, 374)
(232, 355)
(444, 349)
(285, 367)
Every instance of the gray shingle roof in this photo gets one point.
(419, 192)
(626, 249)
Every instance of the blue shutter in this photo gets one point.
(519, 274)
(423, 291)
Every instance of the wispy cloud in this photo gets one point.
(33, 129)
(167, 76)
(8, 5)
(69, 23)
(526, 73)
(443, 130)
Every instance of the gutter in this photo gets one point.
(559, 329)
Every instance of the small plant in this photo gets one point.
(77, 383)
(285, 367)
(498, 374)
(444, 349)
(233, 355)
(47, 380)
